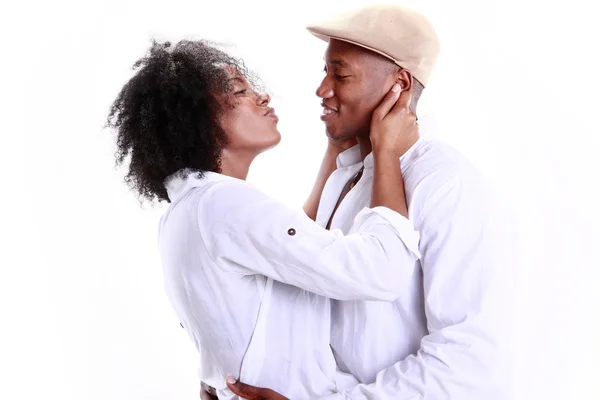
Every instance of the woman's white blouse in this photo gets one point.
(250, 281)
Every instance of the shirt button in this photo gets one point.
(291, 231)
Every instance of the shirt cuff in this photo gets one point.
(403, 226)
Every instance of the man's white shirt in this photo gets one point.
(444, 337)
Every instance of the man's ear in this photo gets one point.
(404, 78)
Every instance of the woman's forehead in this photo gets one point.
(242, 76)
(234, 74)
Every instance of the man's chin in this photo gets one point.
(339, 137)
(335, 134)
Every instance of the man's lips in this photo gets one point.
(328, 112)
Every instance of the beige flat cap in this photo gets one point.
(398, 33)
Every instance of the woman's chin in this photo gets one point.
(272, 143)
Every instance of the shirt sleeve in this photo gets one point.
(465, 288)
(245, 230)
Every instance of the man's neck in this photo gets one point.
(365, 141)
(365, 146)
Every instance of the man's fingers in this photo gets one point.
(403, 103)
(244, 391)
(387, 103)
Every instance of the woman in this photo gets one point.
(250, 279)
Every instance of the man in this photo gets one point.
(442, 338)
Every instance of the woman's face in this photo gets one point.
(248, 121)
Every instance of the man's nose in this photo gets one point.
(325, 91)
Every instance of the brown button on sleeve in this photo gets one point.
(291, 231)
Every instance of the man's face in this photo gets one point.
(355, 82)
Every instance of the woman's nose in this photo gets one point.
(263, 99)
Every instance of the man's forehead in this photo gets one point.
(340, 62)
(344, 54)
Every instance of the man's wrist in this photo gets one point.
(385, 154)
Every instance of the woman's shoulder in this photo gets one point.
(221, 195)
(219, 187)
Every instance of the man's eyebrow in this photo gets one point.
(338, 63)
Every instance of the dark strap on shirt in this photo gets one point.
(347, 188)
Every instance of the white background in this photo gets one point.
(83, 313)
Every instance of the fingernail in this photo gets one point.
(396, 88)
(231, 380)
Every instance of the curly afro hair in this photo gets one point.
(166, 115)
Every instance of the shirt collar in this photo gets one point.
(425, 124)
(352, 156)
(349, 157)
(368, 163)
(185, 180)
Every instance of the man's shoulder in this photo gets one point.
(435, 158)
(440, 172)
